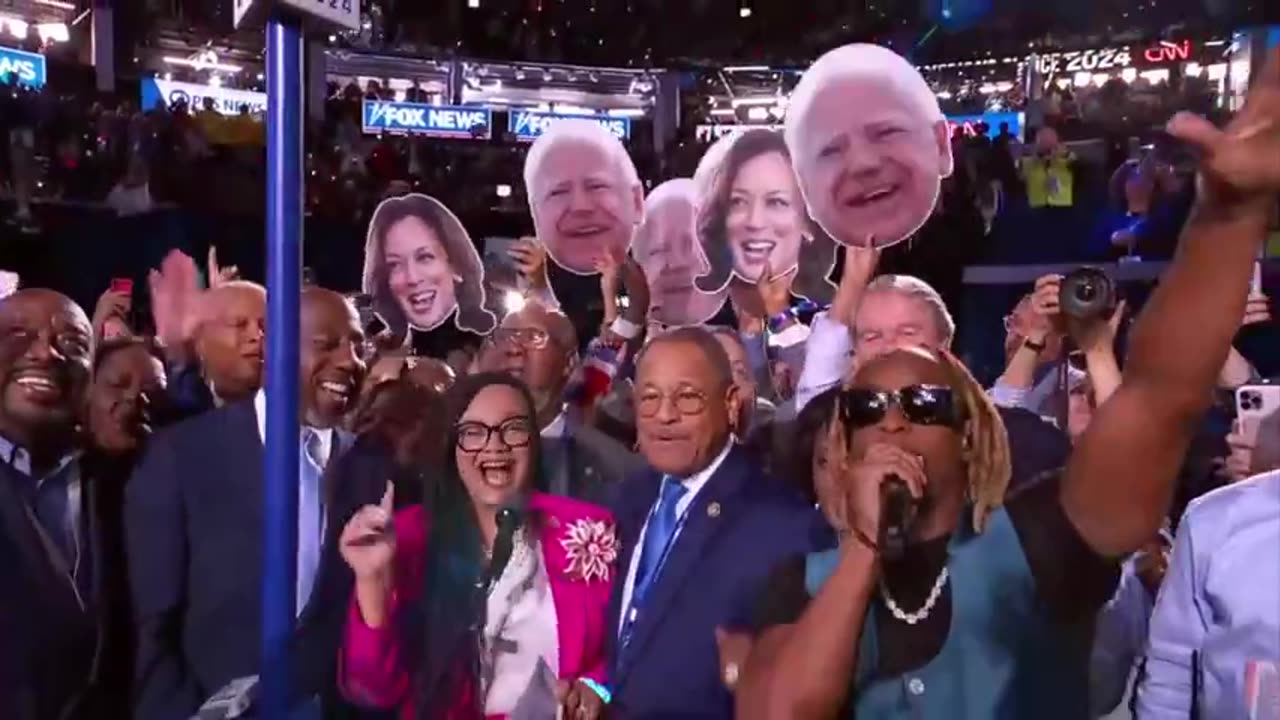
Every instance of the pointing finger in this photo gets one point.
(387, 503)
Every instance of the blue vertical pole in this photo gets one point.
(284, 270)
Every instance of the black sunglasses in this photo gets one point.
(921, 404)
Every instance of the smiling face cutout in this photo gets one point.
(584, 194)
(667, 250)
(421, 268)
(870, 177)
(752, 217)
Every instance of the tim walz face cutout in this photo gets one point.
(871, 176)
(585, 205)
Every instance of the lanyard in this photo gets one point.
(638, 594)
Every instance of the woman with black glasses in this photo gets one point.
(499, 588)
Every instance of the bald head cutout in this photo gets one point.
(584, 194)
(870, 177)
(667, 250)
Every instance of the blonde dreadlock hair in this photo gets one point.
(985, 440)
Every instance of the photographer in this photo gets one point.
(1037, 330)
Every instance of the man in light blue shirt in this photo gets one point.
(1214, 649)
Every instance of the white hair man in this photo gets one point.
(584, 194)
(870, 177)
(901, 311)
(666, 248)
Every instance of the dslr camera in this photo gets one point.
(1087, 293)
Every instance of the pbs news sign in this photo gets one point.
(226, 101)
(29, 68)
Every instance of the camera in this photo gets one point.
(1086, 293)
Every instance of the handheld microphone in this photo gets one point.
(897, 513)
(509, 518)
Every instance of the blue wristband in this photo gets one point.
(598, 689)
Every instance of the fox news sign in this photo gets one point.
(28, 68)
(419, 119)
(526, 126)
(226, 101)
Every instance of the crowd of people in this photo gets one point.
(783, 516)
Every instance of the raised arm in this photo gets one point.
(1119, 481)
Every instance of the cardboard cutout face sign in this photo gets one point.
(584, 194)
(870, 177)
(666, 248)
(421, 268)
(752, 216)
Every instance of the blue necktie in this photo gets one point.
(657, 537)
(310, 515)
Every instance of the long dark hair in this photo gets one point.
(817, 254)
(810, 423)
(450, 615)
(458, 247)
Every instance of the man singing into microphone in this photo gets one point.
(980, 616)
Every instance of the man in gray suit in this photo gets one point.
(539, 346)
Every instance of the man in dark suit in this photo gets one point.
(539, 346)
(194, 532)
(49, 574)
(699, 531)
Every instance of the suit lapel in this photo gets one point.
(711, 512)
(20, 523)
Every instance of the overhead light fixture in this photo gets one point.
(203, 61)
(744, 12)
(503, 191)
(53, 32)
(17, 28)
(60, 4)
(473, 4)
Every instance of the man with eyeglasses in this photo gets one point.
(539, 346)
(698, 530)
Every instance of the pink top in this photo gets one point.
(579, 548)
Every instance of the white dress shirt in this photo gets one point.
(556, 427)
(828, 355)
(1215, 631)
(522, 617)
(693, 485)
(324, 448)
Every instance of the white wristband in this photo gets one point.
(625, 329)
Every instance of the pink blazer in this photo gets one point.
(580, 550)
